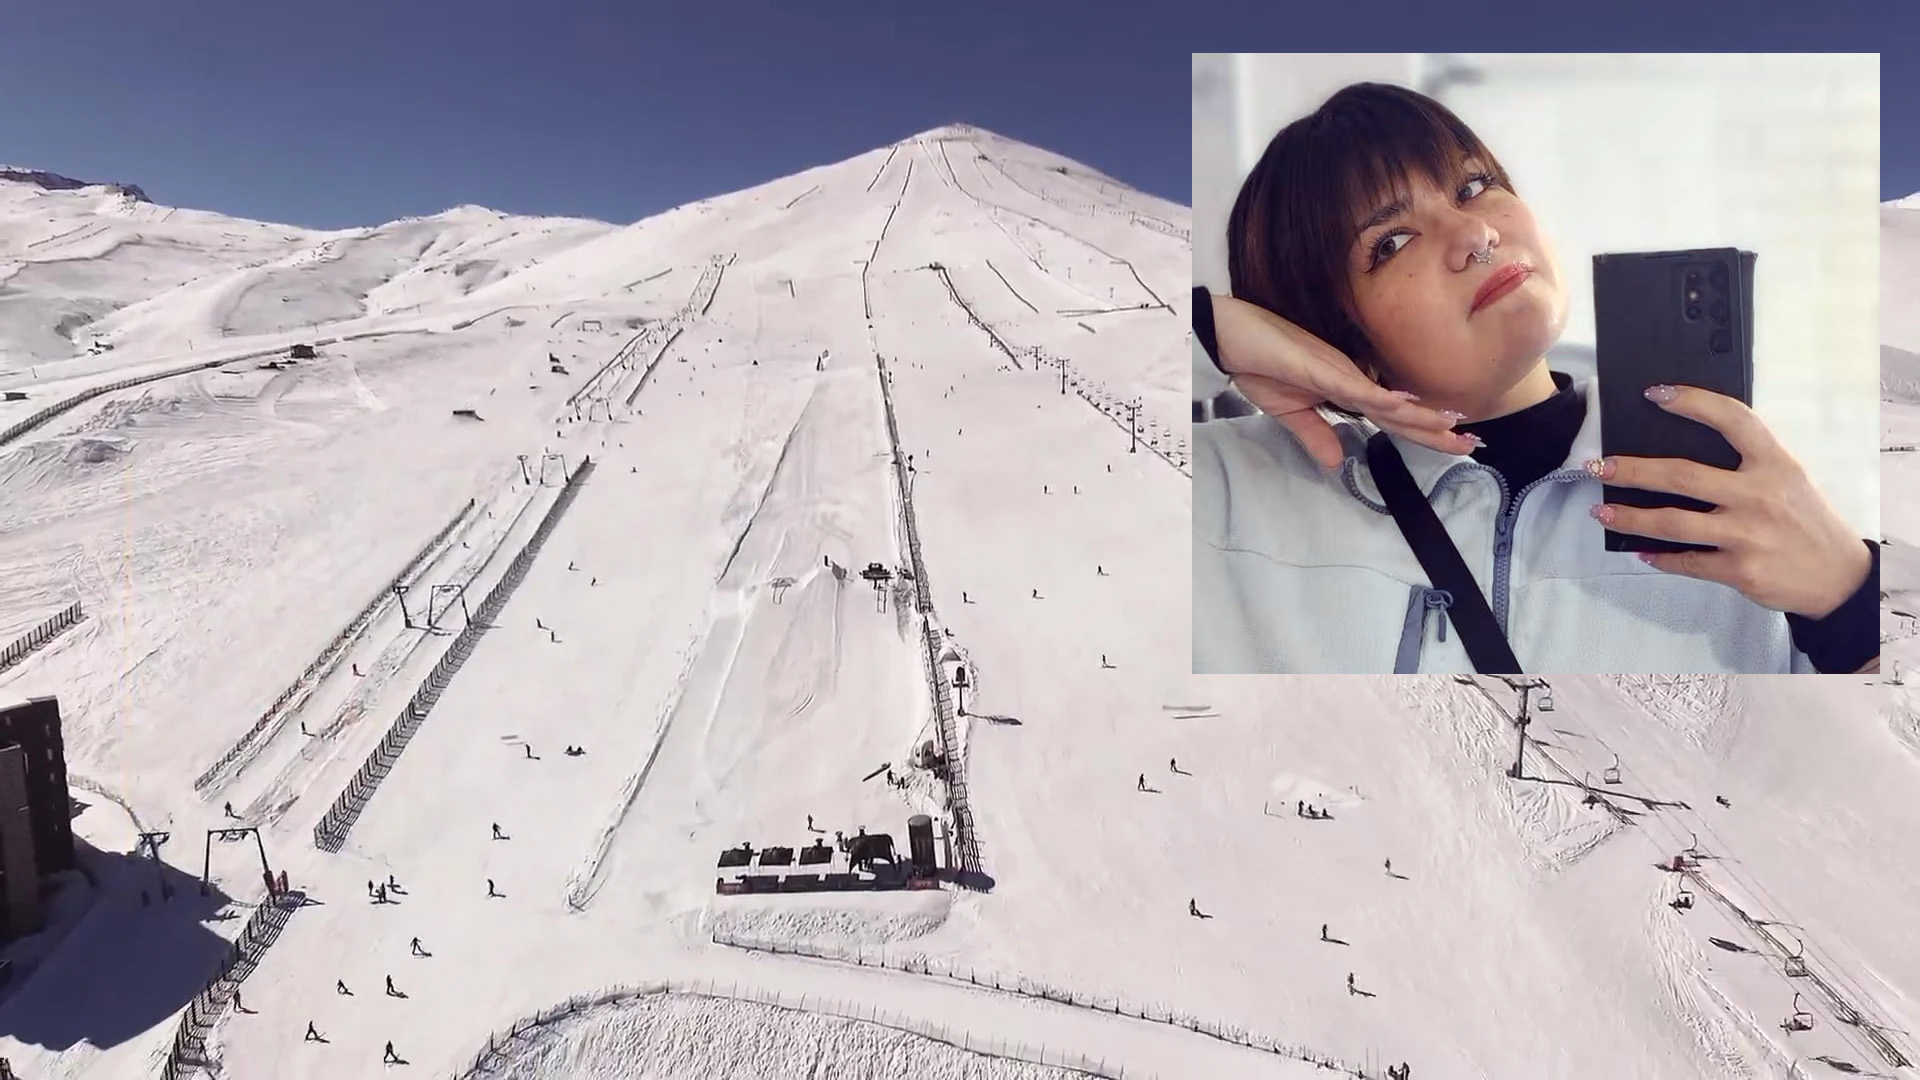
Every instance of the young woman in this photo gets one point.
(1384, 266)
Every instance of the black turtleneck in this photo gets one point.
(1527, 445)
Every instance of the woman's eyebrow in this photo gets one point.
(1383, 215)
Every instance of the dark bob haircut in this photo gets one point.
(1291, 234)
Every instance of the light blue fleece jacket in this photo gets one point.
(1297, 570)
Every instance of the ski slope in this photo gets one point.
(697, 623)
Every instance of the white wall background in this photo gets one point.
(1777, 154)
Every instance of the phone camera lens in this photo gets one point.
(1719, 312)
(1721, 341)
(1693, 296)
(1693, 312)
(1693, 279)
(1719, 278)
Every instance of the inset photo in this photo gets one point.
(1536, 363)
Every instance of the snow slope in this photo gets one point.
(696, 622)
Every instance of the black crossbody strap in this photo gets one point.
(1421, 526)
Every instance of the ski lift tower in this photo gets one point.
(960, 687)
(206, 869)
(1521, 721)
(879, 576)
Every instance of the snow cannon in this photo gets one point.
(920, 845)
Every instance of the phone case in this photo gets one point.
(1679, 317)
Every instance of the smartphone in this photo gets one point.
(1678, 317)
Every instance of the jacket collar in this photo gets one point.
(1430, 467)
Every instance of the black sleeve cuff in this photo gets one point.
(1203, 325)
(1849, 636)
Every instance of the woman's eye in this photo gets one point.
(1483, 181)
(1382, 252)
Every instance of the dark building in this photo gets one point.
(34, 727)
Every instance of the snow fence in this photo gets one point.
(501, 1044)
(188, 1053)
(40, 635)
(330, 834)
(330, 655)
(918, 964)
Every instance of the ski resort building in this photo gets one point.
(36, 831)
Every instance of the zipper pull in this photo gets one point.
(1440, 600)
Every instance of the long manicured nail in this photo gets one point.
(1405, 395)
(1602, 513)
(1662, 393)
(1450, 414)
(1471, 439)
(1600, 468)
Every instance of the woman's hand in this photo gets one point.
(1286, 372)
(1781, 543)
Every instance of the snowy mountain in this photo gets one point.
(924, 358)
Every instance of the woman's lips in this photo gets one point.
(1499, 283)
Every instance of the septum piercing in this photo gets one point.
(1483, 256)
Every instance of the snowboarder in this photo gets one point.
(356, 671)
(340, 987)
(415, 948)
(313, 1033)
(391, 1058)
(491, 891)
(1036, 594)
(391, 992)
(497, 834)
(570, 565)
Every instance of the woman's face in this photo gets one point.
(1415, 287)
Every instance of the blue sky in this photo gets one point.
(352, 112)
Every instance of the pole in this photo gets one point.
(1519, 753)
(258, 843)
(1063, 378)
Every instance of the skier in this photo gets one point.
(810, 827)
(1140, 784)
(1299, 808)
(381, 894)
(1036, 594)
(229, 809)
(1722, 800)
(303, 728)
(1044, 491)
(391, 992)
(491, 891)
(356, 671)
(1172, 765)
(1350, 982)
(369, 890)
(1193, 908)
(1323, 931)
(313, 1033)
(595, 581)
(1099, 571)
(340, 987)
(528, 747)
(497, 834)
(963, 597)
(416, 949)
(1389, 867)
(537, 624)
(392, 884)
(391, 1058)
